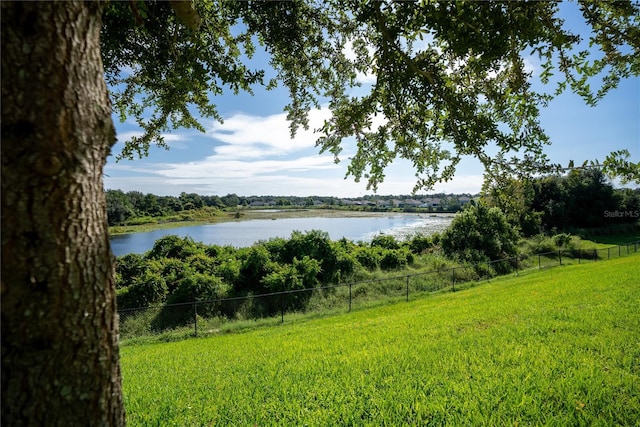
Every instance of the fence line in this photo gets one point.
(150, 319)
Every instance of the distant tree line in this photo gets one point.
(125, 207)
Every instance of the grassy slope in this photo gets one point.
(557, 347)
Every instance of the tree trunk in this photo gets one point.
(60, 362)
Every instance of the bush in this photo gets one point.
(420, 244)
(149, 288)
(301, 274)
(229, 270)
(541, 244)
(562, 240)
(314, 244)
(196, 287)
(201, 263)
(173, 246)
(369, 258)
(384, 241)
(173, 270)
(480, 234)
(394, 259)
(255, 263)
(128, 267)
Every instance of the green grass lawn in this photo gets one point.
(554, 347)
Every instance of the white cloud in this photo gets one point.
(125, 136)
(243, 169)
(531, 65)
(246, 136)
(173, 138)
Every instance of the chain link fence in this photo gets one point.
(210, 317)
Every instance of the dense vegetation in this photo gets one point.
(179, 270)
(581, 199)
(134, 206)
(555, 347)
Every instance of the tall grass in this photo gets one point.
(555, 347)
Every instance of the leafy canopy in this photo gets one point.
(449, 78)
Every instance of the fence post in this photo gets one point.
(407, 288)
(195, 318)
(539, 262)
(453, 279)
(560, 256)
(282, 308)
(595, 255)
(516, 265)
(349, 297)
(619, 251)
(609, 252)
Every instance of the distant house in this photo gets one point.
(464, 200)
(430, 202)
(411, 203)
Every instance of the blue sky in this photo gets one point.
(252, 153)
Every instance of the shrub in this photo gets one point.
(562, 240)
(149, 288)
(420, 244)
(255, 263)
(195, 287)
(173, 246)
(316, 245)
(128, 267)
(369, 258)
(229, 271)
(393, 259)
(201, 263)
(346, 265)
(173, 270)
(198, 287)
(541, 244)
(385, 241)
(301, 274)
(479, 234)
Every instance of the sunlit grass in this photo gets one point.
(555, 347)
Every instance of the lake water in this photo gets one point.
(246, 233)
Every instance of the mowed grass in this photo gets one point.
(555, 347)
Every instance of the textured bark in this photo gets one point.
(60, 362)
